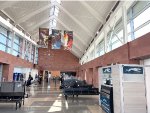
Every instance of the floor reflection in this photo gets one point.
(48, 98)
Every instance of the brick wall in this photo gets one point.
(130, 53)
(57, 60)
(9, 62)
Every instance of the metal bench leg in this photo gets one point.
(23, 101)
(16, 105)
(66, 97)
(19, 104)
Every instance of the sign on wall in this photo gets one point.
(132, 70)
(107, 70)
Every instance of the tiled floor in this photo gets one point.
(47, 98)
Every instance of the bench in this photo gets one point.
(80, 91)
(12, 92)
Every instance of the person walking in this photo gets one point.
(30, 78)
(40, 79)
(49, 77)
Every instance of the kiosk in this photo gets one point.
(106, 89)
(123, 88)
(129, 93)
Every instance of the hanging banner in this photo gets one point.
(56, 39)
(43, 37)
(68, 39)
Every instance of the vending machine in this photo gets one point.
(17, 77)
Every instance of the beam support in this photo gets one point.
(41, 23)
(124, 18)
(7, 4)
(93, 12)
(76, 20)
(27, 17)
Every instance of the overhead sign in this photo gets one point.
(107, 70)
(132, 70)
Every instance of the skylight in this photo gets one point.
(54, 11)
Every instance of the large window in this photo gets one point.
(138, 19)
(115, 36)
(9, 42)
(3, 39)
(100, 49)
(27, 50)
(2, 42)
(91, 55)
(32, 53)
(17, 46)
(36, 56)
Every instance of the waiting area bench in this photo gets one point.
(80, 91)
(12, 92)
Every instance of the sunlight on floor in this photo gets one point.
(66, 104)
(57, 105)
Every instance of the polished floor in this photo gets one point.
(48, 98)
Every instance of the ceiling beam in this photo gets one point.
(75, 47)
(76, 21)
(7, 4)
(93, 12)
(75, 34)
(27, 17)
(76, 53)
(40, 23)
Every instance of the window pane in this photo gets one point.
(16, 47)
(8, 50)
(3, 31)
(139, 6)
(120, 34)
(142, 18)
(15, 53)
(2, 47)
(16, 39)
(9, 43)
(128, 28)
(129, 38)
(142, 31)
(116, 45)
(52, 11)
(114, 39)
(3, 39)
(102, 52)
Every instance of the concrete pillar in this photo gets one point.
(23, 49)
(124, 18)
(12, 43)
(105, 41)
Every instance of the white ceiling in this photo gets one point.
(82, 17)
